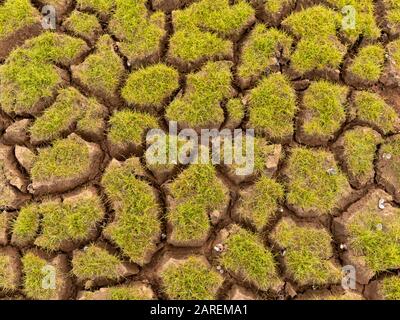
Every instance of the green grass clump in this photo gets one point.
(16, 14)
(70, 107)
(359, 152)
(101, 6)
(272, 107)
(136, 227)
(129, 126)
(275, 6)
(196, 192)
(325, 106)
(199, 106)
(368, 64)
(140, 33)
(311, 187)
(8, 276)
(95, 262)
(102, 71)
(308, 251)
(235, 110)
(33, 267)
(389, 288)
(135, 291)
(83, 24)
(378, 246)
(260, 203)
(365, 23)
(372, 109)
(151, 85)
(246, 256)
(198, 27)
(28, 76)
(394, 52)
(26, 226)
(191, 279)
(261, 48)
(65, 159)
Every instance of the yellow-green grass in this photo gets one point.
(8, 273)
(72, 220)
(199, 106)
(135, 228)
(151, 85)
(28, 75)
(100, 6)
(368, 64)
(70, 107)
(196, 192)
(66, 158)
(359, 148)
(325, 105)
(391, 169)
(236, 111)
(246, 257)
(95, 262)
(260, 50)
(307, 253)
(378, 246)
(393, 14)
(276, 6)
(272, 106)
(259, 204)
(311, 187)
(389, 288)
(135, 291)
(394, 52)
(191, 279)
(83, 24)
(16, 14)
(372, 109)
(139, 31)
(127, 126)
(102, 71)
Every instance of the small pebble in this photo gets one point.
(280, 209)
(219, 267)
(85, 248)
(381, 204)
(163, 235)
(379, 227)
(283, 253)
(343, 246)
(331, 171)
(219, 247)
(387, 156)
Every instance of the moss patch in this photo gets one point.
(311, 187)
(151, 85)
(272, 107)
(308, 251)
(200, 105)
(259, 204)
(191, 279)
(83, 24)
(101, 6)
(135, 291)
(8, 273)
(389, 288)
(136, 227)
(368, 64)
(28, 76)
(372, 109)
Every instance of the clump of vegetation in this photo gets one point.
(318, 48)
(389, 288)
(95, 262)
(72, 220)
(324, 110)
(261, 50)
(276, 6)
(83, 24)
(394, 52)
(128, 127)
(246, 256)
(236, 112)
(139, 32)
(136, 227)
(199, 106)
(195, 193)
(316, 184)
(359, 147)
(393, 15)
(372, 109)
(16, 14)
(368, 64)
(151, 85)
(379, 246)
(9, 277)
(29, 77)
(259, 204)
(69, 108)
(272, 107)
(198, 26)
(65, 159)
(101, 6)
(190, 279)
(135, 291)
(389, 169)
(307, 253)
(101, 72)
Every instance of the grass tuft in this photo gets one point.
(368, 64)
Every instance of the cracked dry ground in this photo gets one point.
(77, 194)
